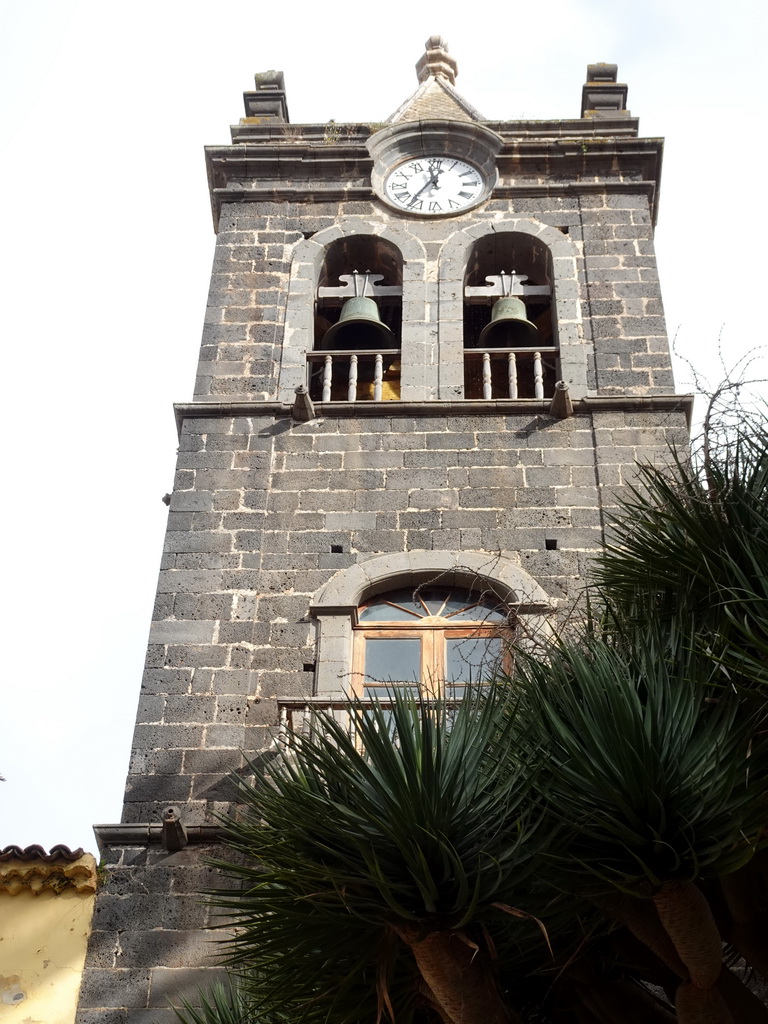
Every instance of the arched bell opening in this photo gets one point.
(358, 322)
(510, 341)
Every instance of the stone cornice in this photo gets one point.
(268, 131)
(479, 407)
(307, 170)
(312, 160)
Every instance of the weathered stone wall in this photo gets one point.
(623, 311)
(266, 510)
(150, 936)
(259, 504)
(621, 328)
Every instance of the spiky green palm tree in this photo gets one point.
(658, 780)
(392, 860)
(690, 548)
(221, 1004)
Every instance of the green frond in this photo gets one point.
(219, 1005)
(692, 540)
(651, 779)
(410, 813)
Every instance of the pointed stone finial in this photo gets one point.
(436, 61)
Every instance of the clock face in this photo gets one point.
(432, 186)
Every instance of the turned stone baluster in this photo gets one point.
(327, 376)
(283, 732)
(352, 389)
(487, 387)
(512, 374)
(538, 376)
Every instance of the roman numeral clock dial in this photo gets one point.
(434, 186)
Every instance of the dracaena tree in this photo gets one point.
(382, 867)
(656, 776)
(689, 548)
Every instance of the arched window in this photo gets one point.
(358, 322)
(356, 606)
(430, 640)
(510, 339)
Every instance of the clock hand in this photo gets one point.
(436, 172)
(432, 181)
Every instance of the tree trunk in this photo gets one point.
(641, 919)
(700, 1005)
(687, 918)
(459, 978)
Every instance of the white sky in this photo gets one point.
(105, 251)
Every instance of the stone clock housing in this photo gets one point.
(407, 425)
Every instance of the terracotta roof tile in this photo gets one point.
(59, 852)
(31, 869)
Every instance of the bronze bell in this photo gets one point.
(509, 326)
(359, 327)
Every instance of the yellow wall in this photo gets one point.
(43, 937)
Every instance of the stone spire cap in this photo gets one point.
(436, 61)
(436, 97)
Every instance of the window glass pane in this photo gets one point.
(471, 659)
(384, 692)
(434, 598)
(470, 608)
(456, 603)
(381, 609)
(392, 660)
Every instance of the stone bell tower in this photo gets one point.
(433, 351)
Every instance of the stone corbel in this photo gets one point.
(174, 835)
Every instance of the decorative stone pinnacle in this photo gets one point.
(603, 96)
(436, 61)
(267, 101)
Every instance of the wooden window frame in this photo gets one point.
(432, 636)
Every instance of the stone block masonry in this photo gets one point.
(291, 505)
(609, 245)
(233, 631)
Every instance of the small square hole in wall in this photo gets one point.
(550, 545)
(309, 666)
(308, 234)
(337, 549)
(564, 228)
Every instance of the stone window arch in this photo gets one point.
(545, 254)
(336, 608)
(509, 272)
(307, 272)
(356, 353)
